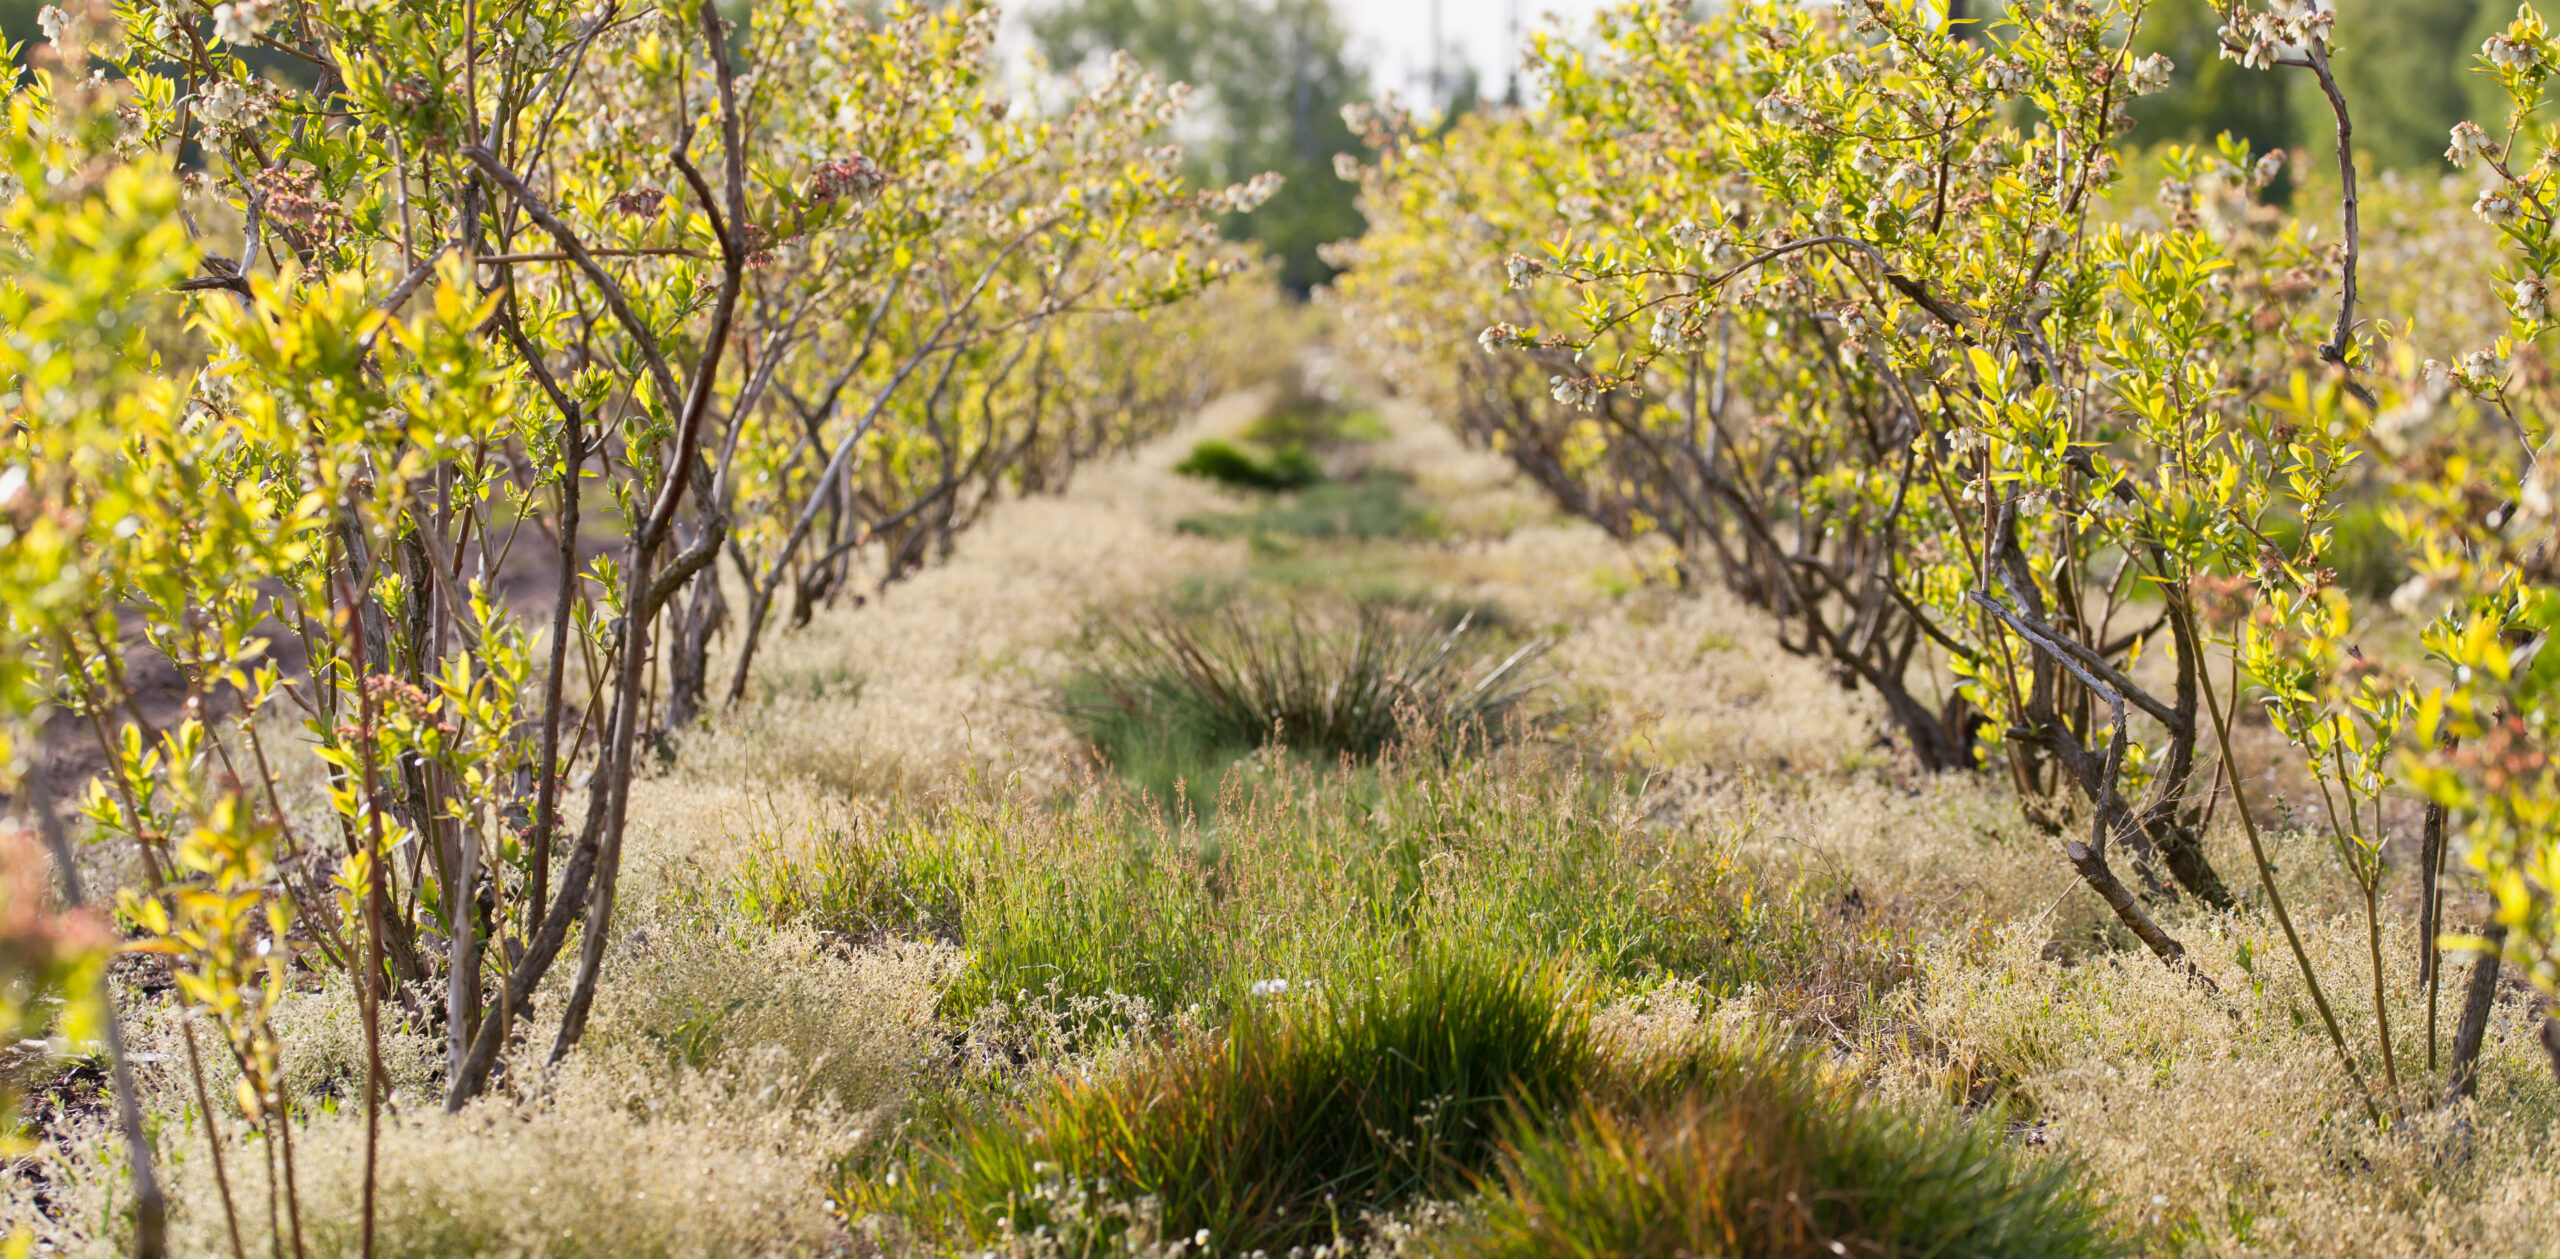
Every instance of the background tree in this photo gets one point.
(1275, 75)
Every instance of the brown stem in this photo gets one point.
(2472, 1030)
(2381, 1003)
(2431, 917)
(212, 1134)
(2275, 899)
(546, 805)
(150, 1208)
(374, 1079)
(2336, 350)
(281, 1116)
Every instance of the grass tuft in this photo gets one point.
(1752, 1154)
(1184, 695)
(1310, 1109)
(1233, 466)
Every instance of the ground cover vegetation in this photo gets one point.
(1978, 692)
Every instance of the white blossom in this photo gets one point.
(2531, 300)
(2006, 77)
(2496, 208)
(2469, 142)
(2410, 600)
(2482, 371)
(1521, 269)
(51, 20)
(2151, 74)
(1246, 197)
(1710, 246)
(1781, 109)
(2510, 54)
(221, 102)
(1867, 161)
(1671, 329)
(1500, 336)
(241, 22)
(1581, 394)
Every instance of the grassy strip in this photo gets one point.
(1459, 1076)
(1314, 874)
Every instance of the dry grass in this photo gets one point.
(601, 1162)
(945, 674)
(2222, 1123)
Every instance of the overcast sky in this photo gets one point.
(1395, 37)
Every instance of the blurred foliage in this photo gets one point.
(1275, 75)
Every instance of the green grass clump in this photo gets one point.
(1231, 465)
(1764, 1156)
(1364, 509)
(1312, 1107)
(1181, 696)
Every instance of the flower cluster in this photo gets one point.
(1673, 330)
(1244, 197)
(2263, 38)
(2151, 75)
(2469, 142)
(2530, 300)
(2480, 371)
(856, 176)
(638, 202)
(1712, 247)
(2496, 208)
(299, 208)
(2506, 52)
(241, 22)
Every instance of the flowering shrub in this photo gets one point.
(806, 296)
(1856, 314)
(2478, 518)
